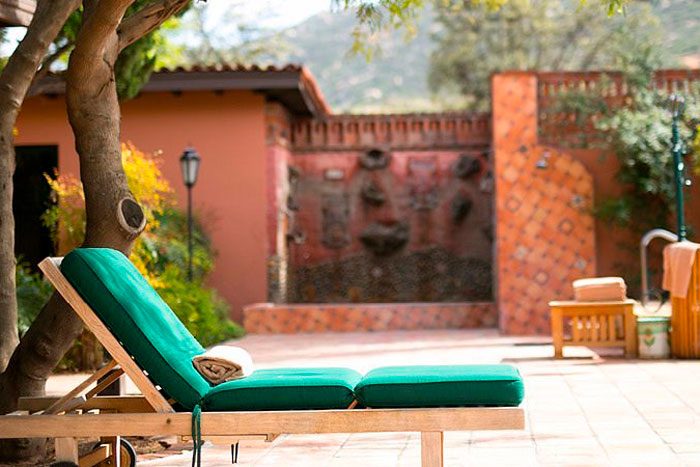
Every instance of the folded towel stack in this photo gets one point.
(223, 363)
(678, 265)
(600, 289)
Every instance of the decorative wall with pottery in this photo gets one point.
(388, 221)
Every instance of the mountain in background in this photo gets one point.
(396, 79)
(680, 20)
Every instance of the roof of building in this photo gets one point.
(291, 85)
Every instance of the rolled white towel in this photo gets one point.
(223, 363)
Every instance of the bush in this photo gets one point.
(640, 135)
(203, 312)
(164, 254)
(166, 246)
(32, 292)
(160, 253)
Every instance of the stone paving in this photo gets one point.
(588, 409)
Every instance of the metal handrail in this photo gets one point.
(643, 244)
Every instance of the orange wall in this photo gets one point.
(545, 233)
(228, 130)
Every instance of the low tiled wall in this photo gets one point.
(268, 318)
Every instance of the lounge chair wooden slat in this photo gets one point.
(95, 456)
(59, 405)
(66, 450)
(102, 385)
(122, 404)
(288, 422)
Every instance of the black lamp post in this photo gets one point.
(677, 105)
(189, 163)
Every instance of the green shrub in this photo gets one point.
(164, 254)
(640, 135)
(201, 309)
(32, 293)
(166, 246)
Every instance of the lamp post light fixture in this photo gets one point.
(677, 105)
(189, 164)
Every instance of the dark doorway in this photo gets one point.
(32, 196)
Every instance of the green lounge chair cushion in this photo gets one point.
(285, 389)
(441, 386)
(137, 316)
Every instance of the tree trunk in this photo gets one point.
(8, 296)
(110, 209)
(15, 80)
(113, 217)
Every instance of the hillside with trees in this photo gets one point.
(397, 77)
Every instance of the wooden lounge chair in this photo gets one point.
(484, 397)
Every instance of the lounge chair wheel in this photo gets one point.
(127, 453)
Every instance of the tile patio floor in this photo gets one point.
(586, 410)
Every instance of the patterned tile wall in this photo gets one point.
(544, 228)
(268, 318)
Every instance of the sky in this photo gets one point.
(275, 14)
(222, 18)
(269, 14)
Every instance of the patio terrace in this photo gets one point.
(588, 409)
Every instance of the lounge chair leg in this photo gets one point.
(431, 448)
(234, 453)
(115, 451)
(67, 450)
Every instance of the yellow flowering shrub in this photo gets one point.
(66, 219)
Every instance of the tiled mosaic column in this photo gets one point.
(544, 227)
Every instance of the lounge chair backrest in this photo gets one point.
(137, 316)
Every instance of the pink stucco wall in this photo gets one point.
(228, 130)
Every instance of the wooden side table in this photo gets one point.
(595, 324)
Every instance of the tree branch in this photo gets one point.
(145, 20)
(46, 67)
(96, 43)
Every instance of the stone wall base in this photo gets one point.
(268, 318)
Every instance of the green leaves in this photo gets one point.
(203, 312)
(199, 307)
(476, 39)
(32, 293)
(640, 136)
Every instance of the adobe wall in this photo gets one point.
(545, 235)
(390, 209)
(230, 199)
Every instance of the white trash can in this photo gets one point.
(652, 336)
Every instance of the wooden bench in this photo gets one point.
(594, 324)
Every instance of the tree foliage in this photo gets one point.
(375, 15)
(474, 41)
(135, 63)
(32, 292)
(638, 131)
(212, 37)
(640, 136)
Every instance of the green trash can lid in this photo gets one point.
(653, 319)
